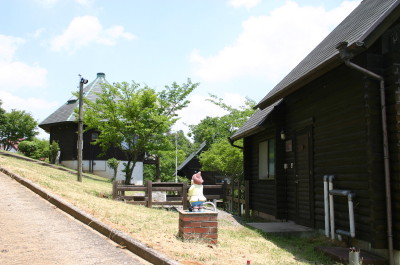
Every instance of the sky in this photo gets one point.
(233, 48)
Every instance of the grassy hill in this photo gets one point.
(158, 228)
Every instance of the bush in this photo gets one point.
(53, 150)
(113, 163)
(35, 149)
(27, 148)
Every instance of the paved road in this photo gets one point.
(33, 231)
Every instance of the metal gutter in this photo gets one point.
(346, 55)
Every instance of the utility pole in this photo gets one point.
(80, 127)
(176, 157)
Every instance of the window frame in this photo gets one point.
(267, 153)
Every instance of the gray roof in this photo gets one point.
(65, 113)
(253, 124)
(192, 155)
(364, 25)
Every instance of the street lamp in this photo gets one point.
(80, 127)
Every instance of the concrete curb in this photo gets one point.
(117, 236)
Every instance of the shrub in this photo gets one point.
(113, 163)
(37, 148)
(53, 150)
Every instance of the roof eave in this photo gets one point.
(47, 126)
(368, 38)
(304, 80)
(247, 133)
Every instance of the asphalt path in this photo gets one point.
(33, 231)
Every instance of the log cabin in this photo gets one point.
(322, 150)
(62, 125)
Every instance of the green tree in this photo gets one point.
(213, 129)
(221, 156)
(178, 147)
(135, 119)
(53, 151)
(113, 163)
(37, 148)
(2, 115)
(18, 125)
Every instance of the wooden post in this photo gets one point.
(184, 195)
(224, 192)
(114, 190)
(158, 179)
(149, 194)
(80, 130)
(232, 204)
(240, 197)
(247, 198)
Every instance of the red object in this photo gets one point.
(248, 262)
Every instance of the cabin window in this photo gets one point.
(266, 159)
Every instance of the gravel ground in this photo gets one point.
(34, 231)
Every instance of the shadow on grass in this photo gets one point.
(301, 247)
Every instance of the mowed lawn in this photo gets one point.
(158, 228)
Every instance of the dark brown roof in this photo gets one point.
(254, 122)
(364, 25)
(192, 155)
(65, 113)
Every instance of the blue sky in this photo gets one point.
(233, 48)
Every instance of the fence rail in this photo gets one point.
(235, 196)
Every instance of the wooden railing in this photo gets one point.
(234, 196)
(148, 189)
(237, 198)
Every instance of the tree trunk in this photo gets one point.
(129, 169)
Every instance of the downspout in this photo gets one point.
(232, 143)
(346, 55)
(326, 205)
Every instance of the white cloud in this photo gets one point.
(37, 107)
(32, 104)
(21, 75)
(87, 3)
(47, 3)
(83, 31)
(38, 33)
(270, 46)
(15, 74)
(244, 3)
(199, 108)
(8, 46)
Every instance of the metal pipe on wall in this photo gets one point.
(331, 208)
(346, 55)
(351, 215)
(326, 205)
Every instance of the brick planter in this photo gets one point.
(202, 226)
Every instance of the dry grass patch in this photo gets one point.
(158, 228)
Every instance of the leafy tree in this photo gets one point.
(34, 149)
(18, 125)
(53, 151)
(213, 129)
(178, 147)
(135, 119)
(221, 156)
(2, 115)
(113, 163)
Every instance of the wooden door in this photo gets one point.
(303, 178)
